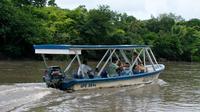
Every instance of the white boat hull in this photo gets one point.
(118, 83)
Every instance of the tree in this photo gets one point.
(17, 28)
(52, 3)
(165, 22)
(168, 47)
(39, 3)
(98, 25)
(27, 22)
(195, 23)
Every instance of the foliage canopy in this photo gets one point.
(27, 22)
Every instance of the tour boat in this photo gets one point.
(141, 66)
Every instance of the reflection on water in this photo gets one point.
(177, 89)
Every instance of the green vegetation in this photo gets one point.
(27, 22)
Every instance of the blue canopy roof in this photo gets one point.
(87, 47)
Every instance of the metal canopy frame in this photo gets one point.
(83, 47)
(144, 51)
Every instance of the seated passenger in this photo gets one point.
(104, 74)
(135, 55)
(120, 67)
(126, 66)
(126, 69)
(139, 68)
(113, 68)
(85, 71)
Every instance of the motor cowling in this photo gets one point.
(53, 77)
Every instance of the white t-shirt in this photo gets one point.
(84, 69)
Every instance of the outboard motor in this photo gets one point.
(53, 77)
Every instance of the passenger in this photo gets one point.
(85, 71)
(104, 74)
(135, 54)
(120, 67)
(139, 68)
(113, 68)
(126, 66)
(126, 69)
(136, 69)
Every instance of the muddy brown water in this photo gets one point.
(176, 90)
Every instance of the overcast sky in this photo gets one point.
(141, 9)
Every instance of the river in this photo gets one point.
(176, 90)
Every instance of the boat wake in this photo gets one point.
(161, 82)
(87, 100)
(36, 96)
(15, 96)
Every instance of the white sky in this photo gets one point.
(141, 9)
